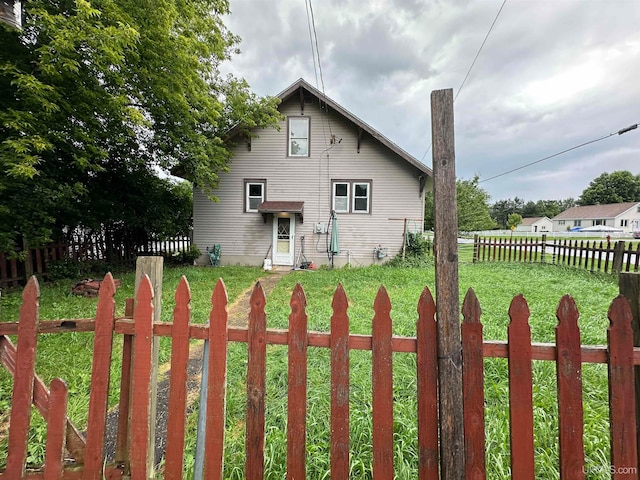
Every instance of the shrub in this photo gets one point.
(182, 257)
(418, 245)
(66, 268)
(417, 252)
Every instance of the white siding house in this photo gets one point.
(625, 216)
(535, 225)
(276, 200)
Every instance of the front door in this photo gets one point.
(283, 240)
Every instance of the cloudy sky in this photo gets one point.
(552, 74)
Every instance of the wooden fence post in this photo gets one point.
(618, 256)
(152, 267)
(544, 247)
(629, 286)
(447, 289)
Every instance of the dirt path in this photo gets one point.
(238, 314)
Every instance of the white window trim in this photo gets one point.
(333, 196)
(289, 139)
(368, 197)
(247, 197)
(351, 198)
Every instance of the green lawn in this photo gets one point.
(495, 285)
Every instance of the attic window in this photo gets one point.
(298, 137)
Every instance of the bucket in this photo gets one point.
(266, 265)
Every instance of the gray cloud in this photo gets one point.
(553, 74)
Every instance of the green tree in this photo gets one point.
(472, 207)
(501, 210)
(514, 220)
(616, 187)
(546, 208)
(97, 93)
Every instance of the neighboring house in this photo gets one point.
(535, 225)
(625, 216)
(277, 198)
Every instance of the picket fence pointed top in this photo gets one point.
(219, 293)
(567, 312)
(619, 314)
(426, 304)
(339, 298)
(258, 299)
(145, 290)
(298, 298)
(31, 291)
(183, 292)
(382, 303)
(519, 310)
(107, 286)
(471, 310)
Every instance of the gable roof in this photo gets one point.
(587, 212)
(528, 221)
(295, 88)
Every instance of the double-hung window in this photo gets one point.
(361, 197)
(341, 197)
(254, 194)
(351, 196)
(298, 137)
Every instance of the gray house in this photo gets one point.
(324, 182)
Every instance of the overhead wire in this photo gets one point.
(315, 36)
(313, 55)
(619, 132)
(472, 64)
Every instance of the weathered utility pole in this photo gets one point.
(447, 288)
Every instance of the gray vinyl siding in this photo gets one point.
(245, 238)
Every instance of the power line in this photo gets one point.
(313, 55)
(315, 36)
(479, 50)
(473, 63)
(619, 132)
(312, 25)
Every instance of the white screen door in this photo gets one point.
(283, 240)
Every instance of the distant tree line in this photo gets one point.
(476, 213)
(502, 209)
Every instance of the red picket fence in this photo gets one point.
(593, 255)
(139, 330)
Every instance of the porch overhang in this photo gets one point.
(275, 207)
